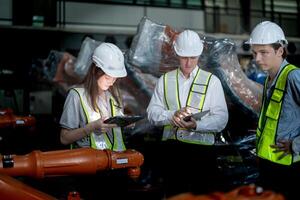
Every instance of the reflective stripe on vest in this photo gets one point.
(195, 101)
(268, 122)
(102, 141)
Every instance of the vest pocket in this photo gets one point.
(277, 95)
(199, 88)
(272, 112)
(275, 102)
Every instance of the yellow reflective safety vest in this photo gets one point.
(195, 100)
(268, 122)
(113, 140)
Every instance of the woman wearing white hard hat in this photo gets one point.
(178, 94)
(278, 132)
(86, 107)
(96, 99)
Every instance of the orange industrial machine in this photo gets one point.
(39, 164)
(247, 192)
(13, 189)
(71, 162)
(8, 119)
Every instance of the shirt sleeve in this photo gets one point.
(294, 83)
(296, 145)
(71, 115)
(215, 102)
(157, 112)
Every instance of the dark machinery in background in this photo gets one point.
(16, 131)
(250, 192)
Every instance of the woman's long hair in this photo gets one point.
(91, 87)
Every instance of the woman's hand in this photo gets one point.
(68, 136)
(99, 127)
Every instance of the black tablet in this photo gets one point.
(123, 120)
(196, 116)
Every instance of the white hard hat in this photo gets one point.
(188, 44)
(110, 59)
(267, 33)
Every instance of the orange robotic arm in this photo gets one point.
(246, 192)
(13, 189)
(8, 119)
(71, 162)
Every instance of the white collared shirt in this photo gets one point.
(216, 121)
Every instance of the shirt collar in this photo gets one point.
(192, 75)
(283, 64)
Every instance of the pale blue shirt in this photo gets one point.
(289, 124)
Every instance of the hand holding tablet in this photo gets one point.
(196, 116)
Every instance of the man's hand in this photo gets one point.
(284, 146)
(178, 115)
(178, 121)
(192, 124)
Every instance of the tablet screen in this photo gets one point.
(123, 120)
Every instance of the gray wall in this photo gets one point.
(5, 12)
(124, 19)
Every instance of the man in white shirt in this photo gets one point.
(180, 93)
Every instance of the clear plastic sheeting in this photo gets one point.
(84, 61)
(152, 52)
(143, 82)
(152, 47)
(137, 89)
(50, 64)
(63, 69)
(220, 58)
(58, 68)
(254, 72)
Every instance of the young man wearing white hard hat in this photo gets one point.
(180, 93)
(278, 132)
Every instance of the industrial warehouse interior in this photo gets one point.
(49, 49)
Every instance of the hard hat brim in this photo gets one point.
(251, 43)
(187, 54)
(112, 72)
(116, 73)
